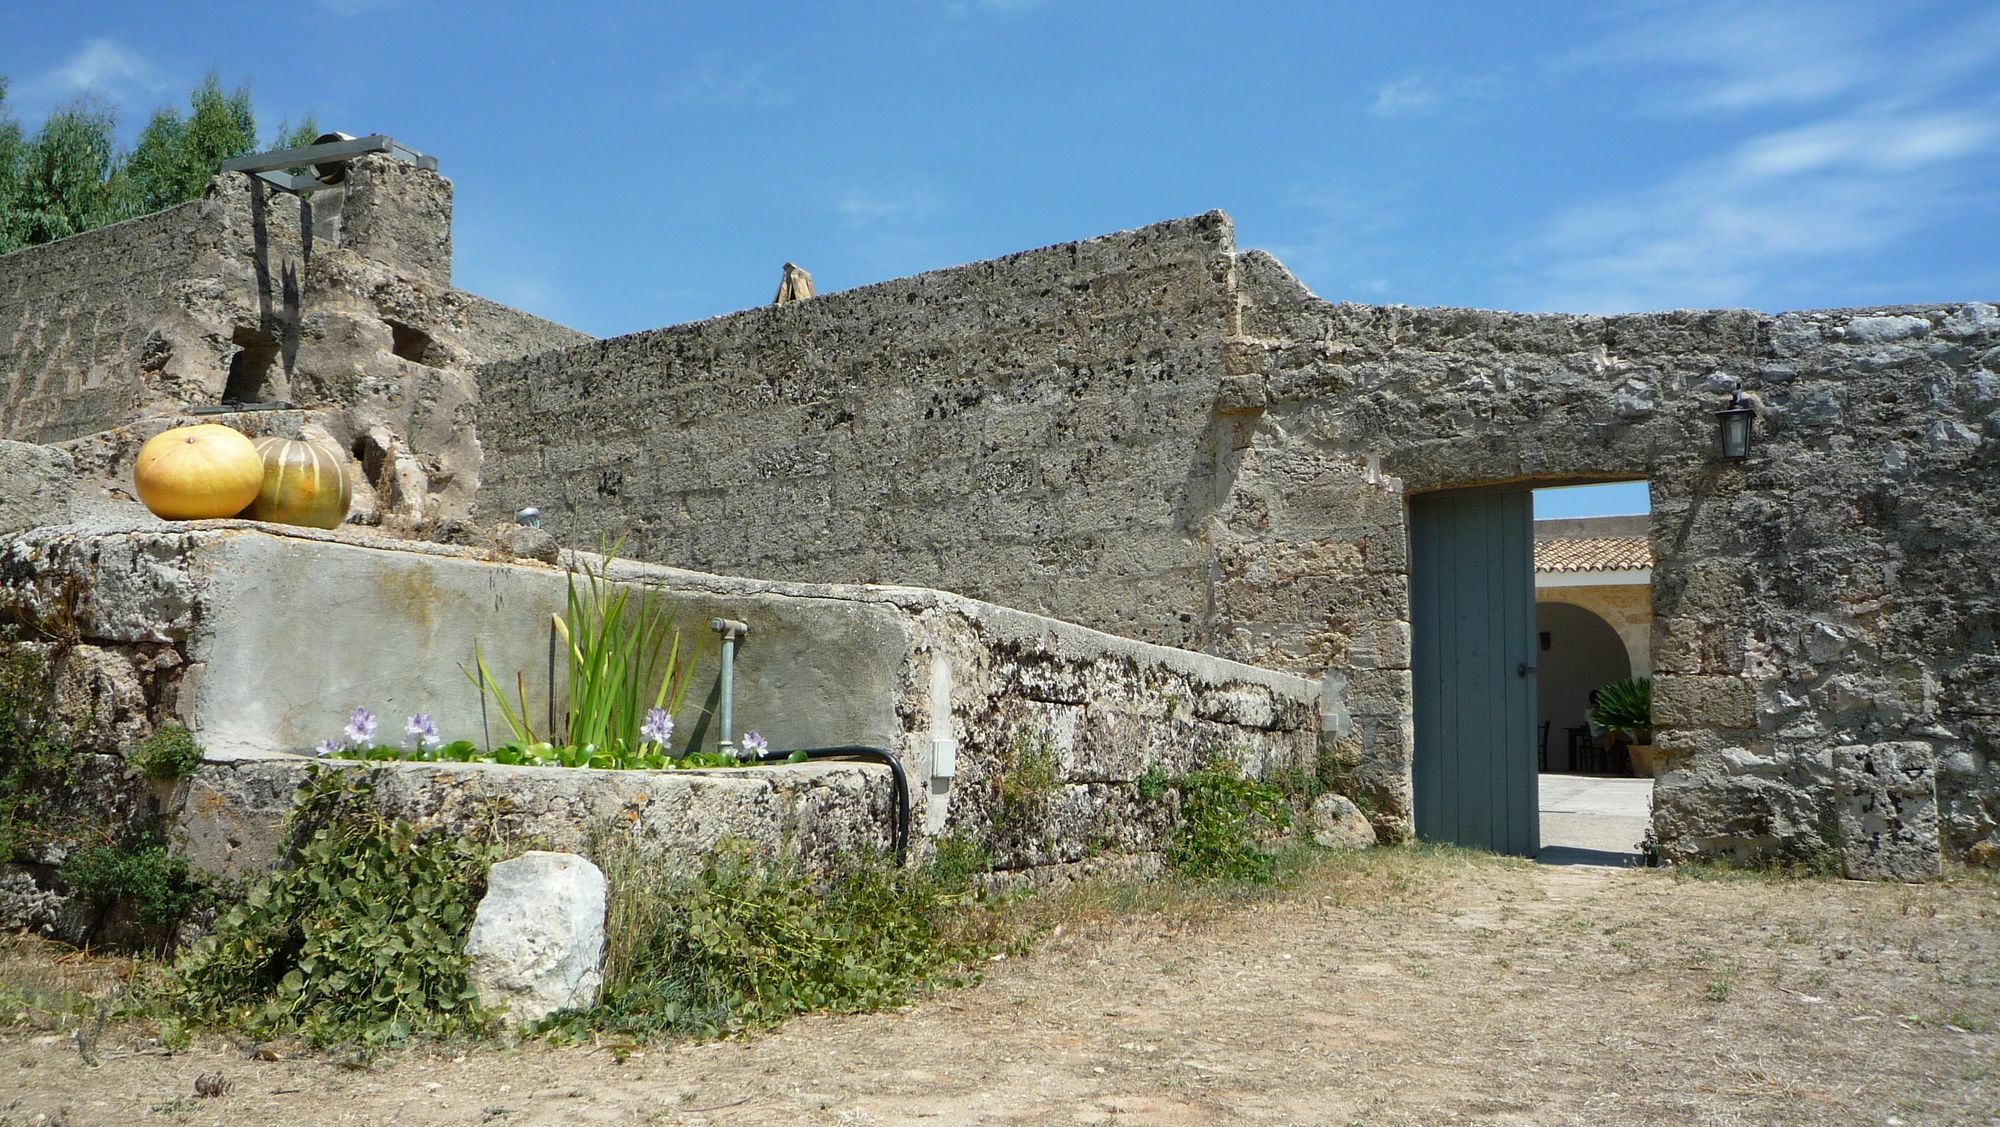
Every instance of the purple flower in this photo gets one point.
(754, 745)
(658, 728)
(360, 728)
(422, 732)
(328, 747)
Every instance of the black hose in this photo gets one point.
(899, 800)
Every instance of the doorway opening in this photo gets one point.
(1510, 585)
(1593, 615)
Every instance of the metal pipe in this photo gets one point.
(899, 798)
(731, 630)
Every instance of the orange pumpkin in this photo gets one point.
(197, 473)
(305, 483)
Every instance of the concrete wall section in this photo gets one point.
(1626, 607)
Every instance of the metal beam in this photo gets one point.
(270, 166)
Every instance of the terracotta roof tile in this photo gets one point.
(1593, 553)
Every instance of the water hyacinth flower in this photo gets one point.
(422, 732)
(754, 745)
(360, 730)
(328, 747)
(658, 728)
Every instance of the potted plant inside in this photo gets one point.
(1626, 708)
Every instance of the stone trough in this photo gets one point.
(262, 639)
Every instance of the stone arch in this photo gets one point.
(1583, 652)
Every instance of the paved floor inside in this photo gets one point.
(1593, 819)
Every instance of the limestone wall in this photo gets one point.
(1824, 646)
(1157, 436)
(262, 639)
(98, 328)
(340, 302)
(1037, 430)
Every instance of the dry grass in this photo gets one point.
(1396, 986)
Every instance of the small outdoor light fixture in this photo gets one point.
(1734, 423)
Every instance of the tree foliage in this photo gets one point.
(68, 176)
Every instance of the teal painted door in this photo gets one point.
(1472, 658)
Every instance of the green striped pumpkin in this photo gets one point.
(305, 483)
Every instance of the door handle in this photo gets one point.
(1523, 669)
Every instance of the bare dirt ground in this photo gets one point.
(1390, 988)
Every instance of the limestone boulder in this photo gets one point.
(1339, 824)
(537, 940)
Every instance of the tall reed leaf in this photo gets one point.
(624, 657)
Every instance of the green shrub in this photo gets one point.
(1030, 771)
(1224, 820)
(747, 943)
(155, 882)
(361, 940)
(169, 753)
(37, 761)
(1626, 706)
(624, 661)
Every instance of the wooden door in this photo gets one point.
(1472, 619)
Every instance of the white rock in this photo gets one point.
(1972, 319)
(1339, 824)
(1877, 330)
(537, 941)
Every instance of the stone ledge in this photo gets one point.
(230, 818)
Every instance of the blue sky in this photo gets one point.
(622, 166)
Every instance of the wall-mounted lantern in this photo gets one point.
(1735, 428)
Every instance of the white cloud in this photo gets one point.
(874, 207)
(1731, 227)
(1729, 56)
(355, 7)
(1426, 92)
(1348, 230)
(1883, 139)
(101, 67)
(1742, 57)
(965, 8)
(1405, 96)
(1889, 143)
(101, 64)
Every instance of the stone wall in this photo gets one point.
(1824, 604)
(1157, 436)
(97, 329)
(261, 639)
(1039, 430)
(1625, 607)
(340, 302)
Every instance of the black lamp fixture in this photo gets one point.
(1734, 423)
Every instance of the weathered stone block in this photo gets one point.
(1683, 701)
(399, 215)
(1888, 811)
(537, 941)
(35, 483)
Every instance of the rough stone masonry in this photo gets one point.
(1156, 435)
